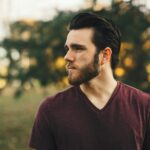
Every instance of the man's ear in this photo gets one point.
(106, 55)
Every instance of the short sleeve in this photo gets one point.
(146, 145)
(41, 136)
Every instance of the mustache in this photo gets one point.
(71, 66)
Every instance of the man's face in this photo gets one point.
(82, 58)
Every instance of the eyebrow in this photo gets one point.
(74, 45)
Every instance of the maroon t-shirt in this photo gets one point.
(69, 121)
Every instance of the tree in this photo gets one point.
(40, 45)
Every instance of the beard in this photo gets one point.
(86, 73)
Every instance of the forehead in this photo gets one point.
(81, 36)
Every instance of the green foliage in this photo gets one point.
(38, 44)
(41, 44)
(135, 52)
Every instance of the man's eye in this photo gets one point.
(78, 49)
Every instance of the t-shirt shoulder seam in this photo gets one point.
(49, 100)
(142, 96)
(134, 89)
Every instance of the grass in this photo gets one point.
(16, 118)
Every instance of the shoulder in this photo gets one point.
(59, 99)
(134, 93)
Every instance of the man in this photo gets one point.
(97, 112)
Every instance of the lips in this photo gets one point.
(70, 67)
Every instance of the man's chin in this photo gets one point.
(75, 82)
(80, 80)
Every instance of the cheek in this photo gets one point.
(84, 59)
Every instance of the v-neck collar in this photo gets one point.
(86, 100)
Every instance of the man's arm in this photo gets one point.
(42, 137)
(146, 144)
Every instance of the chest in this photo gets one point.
(116, 126)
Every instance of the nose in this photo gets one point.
(69, 56)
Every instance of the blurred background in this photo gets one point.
(32, 36)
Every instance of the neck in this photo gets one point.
(101, 86)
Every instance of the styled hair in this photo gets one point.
(106, 34)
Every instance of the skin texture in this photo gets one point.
(82, 57)
(89, 69)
